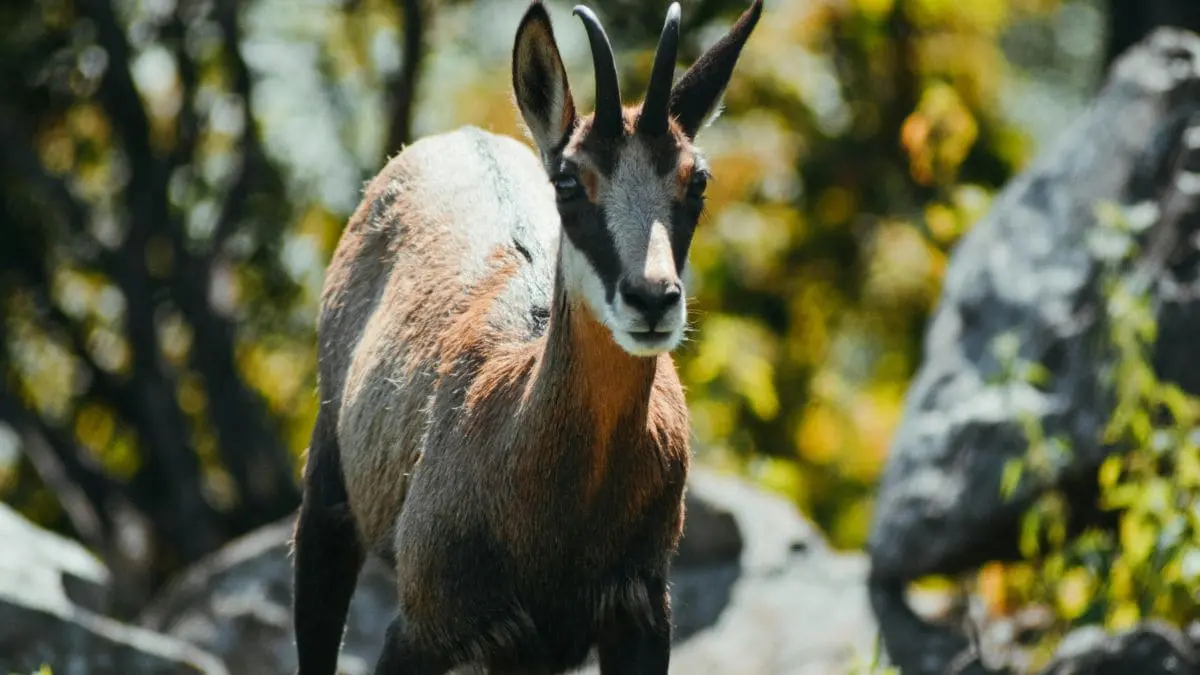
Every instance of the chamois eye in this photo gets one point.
(698, 184)
(567, 187)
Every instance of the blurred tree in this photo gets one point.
(141, 218)
(862, 139)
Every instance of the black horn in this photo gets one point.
(653, 119)
(699, 90)
(608, 92)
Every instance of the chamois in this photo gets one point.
(500, 417)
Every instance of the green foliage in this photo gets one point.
(1150, 565)
(841, 187)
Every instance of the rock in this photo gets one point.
(797, 607)
(45, 560)
(755, 590)
(1151, 648)
(1027, 270)
(50, 592)
(237, 604)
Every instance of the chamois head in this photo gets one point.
(629, 183)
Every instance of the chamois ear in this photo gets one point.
(696, 96)
(540, 81)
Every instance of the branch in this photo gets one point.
(146, 195)
(254, 162)
(402, 89)
(82, 488)
(18, 155)
(187, 125)
(26, 264)
(250, 450)
(168, 484)
(252, 453)
(86, 493)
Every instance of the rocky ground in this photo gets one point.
(757, 591)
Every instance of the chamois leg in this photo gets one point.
(403, 656)
(328, 556)
(628, 645)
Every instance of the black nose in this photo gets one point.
(651, 297)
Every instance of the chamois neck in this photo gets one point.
(582, 365)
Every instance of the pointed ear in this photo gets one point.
(540, 81)
(696, 96)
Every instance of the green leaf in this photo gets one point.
(1011, 477)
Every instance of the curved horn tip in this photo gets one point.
(654, 117)
(673, 13)
(608, 90)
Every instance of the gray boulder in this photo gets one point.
(1027, 270)
(50, 592)
(1152, 648)
(756, 590)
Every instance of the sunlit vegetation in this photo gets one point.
(1148, 566)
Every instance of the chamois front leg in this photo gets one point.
(631, 645)
(402, 655)
(328, 556)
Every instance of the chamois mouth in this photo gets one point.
(649, 336)
(648, 342)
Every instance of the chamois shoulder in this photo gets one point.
(472, 188)
(471, 157)
(428, 231)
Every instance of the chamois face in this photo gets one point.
(629, 183)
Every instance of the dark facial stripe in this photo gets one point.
(664, 152)
(683, 226)
(587, 230)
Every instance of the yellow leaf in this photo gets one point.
(820, 437)
(1110, 472)
(1011, 477)
(1137, 540)
(1123, 616)
(1075, 593)
(993, 588)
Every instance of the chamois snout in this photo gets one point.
(649, 310)
(653, 298)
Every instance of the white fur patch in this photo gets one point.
(582, 280)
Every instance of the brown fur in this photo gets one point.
(479, 426)
(432, 322)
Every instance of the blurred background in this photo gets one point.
(175, 174)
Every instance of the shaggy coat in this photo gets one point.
(500, 417)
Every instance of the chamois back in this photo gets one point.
(445, 215)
